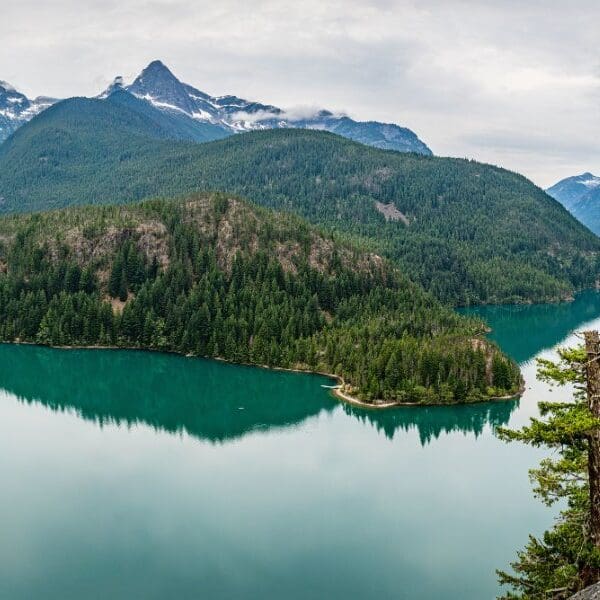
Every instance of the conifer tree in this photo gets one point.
(566, 558)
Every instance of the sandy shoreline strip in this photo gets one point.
(338, 393)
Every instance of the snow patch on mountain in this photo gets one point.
(591, 183)
(580, 195)
(6, 86)
(159, 87)
(16, 109)
(158, 103)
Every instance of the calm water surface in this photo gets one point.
(138, 475)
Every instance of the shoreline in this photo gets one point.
(340, 395)
(335, 391)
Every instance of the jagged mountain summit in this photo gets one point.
(580, 195)
(158, 86)
(16, 109)
(189, 114)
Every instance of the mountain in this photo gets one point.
(16, 109)
(580, 195)
(158, 86)
(196, 116)
(214, 276)
(169, 124)
(468, 232)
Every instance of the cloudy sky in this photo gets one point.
(515, 83)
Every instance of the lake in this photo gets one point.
(140, 475)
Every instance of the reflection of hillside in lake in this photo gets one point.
(432, 421)
(206, 399)
(523, 330)
(209, 400)
(146, 475)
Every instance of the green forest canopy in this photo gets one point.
(215, 276)
(466, 231)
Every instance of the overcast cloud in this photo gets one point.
(514, 83)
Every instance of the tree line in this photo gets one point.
(369, 325)
(475, 233)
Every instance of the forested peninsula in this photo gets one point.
(215, 276)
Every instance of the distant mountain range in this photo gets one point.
(185, 113)
(16, 109)
(580, 195)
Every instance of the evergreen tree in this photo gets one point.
(247, 288)
(566, 558)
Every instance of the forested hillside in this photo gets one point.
(468, 232)
(214, 276)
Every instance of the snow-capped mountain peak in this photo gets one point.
(6, 87)
(589, 181)
(581, 196)
(157, 85)
(16, 109)
(573, 189)
(11, 100)
(223, 115)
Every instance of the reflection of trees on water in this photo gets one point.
(206, 399)
(432, 421)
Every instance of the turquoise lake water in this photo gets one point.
(139, 475)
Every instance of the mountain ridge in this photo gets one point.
(16, 109)
(198, 116)
(580, 195)
(471, 233)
